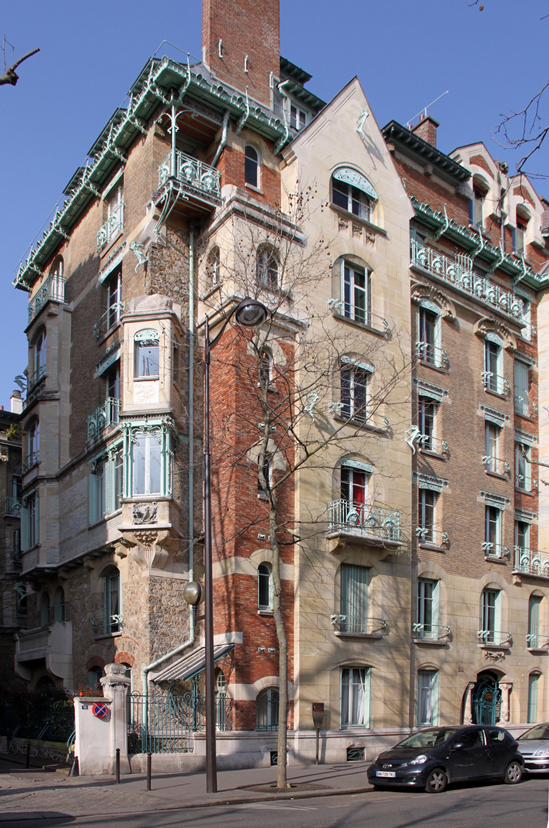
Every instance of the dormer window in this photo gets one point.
(476, 207)
(519, 235)
(298, 118)
(353, 192)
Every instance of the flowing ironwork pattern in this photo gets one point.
(52, 288)
(104, 416)
(190, 171)
(364, 519)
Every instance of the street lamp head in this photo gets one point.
(251, 313)
(193, 593)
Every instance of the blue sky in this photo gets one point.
(405, 52)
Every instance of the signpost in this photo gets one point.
(318, 719)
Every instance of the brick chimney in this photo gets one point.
(426, 129)
(241, 43)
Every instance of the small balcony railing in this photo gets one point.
(364, 519)
(107, 624)
(523, 482)
(105, 416)
(36, 376)
(12, 506)
(498, 637)
(53, 288)
(108, 320)
(432, 535)
(427, 442)
(430, 632)
(495, 383)
(432, 355)
(496, 465)
(522, 406)
(459, 272)
(112, 227)
(359, 624)
(190, 171)
(495, 550)
(531, 561)
(30, 460)
(535, 641)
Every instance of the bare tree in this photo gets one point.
(10, 76)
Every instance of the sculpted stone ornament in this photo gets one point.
(149, 557)
(494, 655)
(145, 513)
(146, 538)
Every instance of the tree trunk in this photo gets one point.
(282, 760)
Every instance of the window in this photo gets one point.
(267, 268)
(251, 166)
(354, 485)
(427, 698)
(267, 469)
(175, 362)
(267, 709)
(519, 234)
(526, 333)
(114, 298)
(492, 531)
(94, 677)
(523, 478)
(29, 522)
(476, 206)
(493, 358)
(427, 609)
(354, 599)
(146, 456)
(522, 536)
(427, 502)
(112, 604)
(426, 422)
(59, 604)
(33, 444)
(490, 616)
(355, 696)
(222, 716)
(356, 292)
(44, 609)
(350, 198)
(354, 392)
(213, 265)
(39, 358)
(522, 386)
(491, 441)
(298, 118)
(429, 336)
(118, 489)
(112, 391)
(534, 607)
(97, 490)
(266, 368)
(533, 682)
(147, 360)
(115, 206)
(265, 587)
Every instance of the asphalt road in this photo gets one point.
(470, 806)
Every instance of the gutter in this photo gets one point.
(223, 141)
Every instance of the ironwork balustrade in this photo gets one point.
(496, 465)
(112, 227)
(495, 550)
(430, 632)
(459, 272)
(524, 482)
(522, 405)
(109, 319)
(53, 288)
(535, 641)
(427, 442)
(496, 383)
(531, 561)
(497, 637)
(432, 535)
(36, 376)
(432, 355)
(190, 171)
(30, 460)
(12, 506)
(364, 519)
(361, 624)
(105, 416)
(107, 624)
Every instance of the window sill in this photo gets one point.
(107, 636)
(433, 546)
(261, 496)
(266, 612)
(103, 337)
(152, 378)
(368, 225)
(528, 492)
(362, 326)
(253, 189)
(537, 650)
(495, 559)
(441, 369)
(104, 250)
(432, 642)
(370, 636)
(361, 424)
(495, 394)
(496, 474)
(490, 645)
(96, 523)
(430, 453)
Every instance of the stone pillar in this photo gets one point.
(468, 705)
(505, 697)
(115, 687)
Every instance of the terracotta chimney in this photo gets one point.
(427, 129)
(241, 43)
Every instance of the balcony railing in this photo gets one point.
(496, 465)
(36, 376)
(107, 320)
(495, 382)
(531, 561)
(522, 406)
(495, 550)
(459, 272)
(190, 171)
(364, 519)
(430, 632)
(12, 506)
(535, 641)
(427, 442)
(53, 288)
(432, 355)
(112, 227)
(497, 637)
(107, 624)
(432, 535)
(30, 460)
(105, 416)
(361, 625)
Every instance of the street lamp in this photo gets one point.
(248, 314)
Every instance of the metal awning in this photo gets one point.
(192, 664)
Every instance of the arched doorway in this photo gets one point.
(486, 699)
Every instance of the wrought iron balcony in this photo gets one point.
(30, 460)
(107, 624)
(364, 520)
(108, 320)
(105, 416)
(522, 406)
(430, 632)
(459, 272)
(36, 376)
(496, 465)
(535, 641)
(359, 624)
(427, 442)
(432, 535)
(495, 550)
(497, 637)
(190, 171)
(112, 227)
(524, 482)
(496, 383)
(12, 506)
(52, 289)
(432, 355)
(531, 561)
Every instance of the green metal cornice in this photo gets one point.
(410, 142)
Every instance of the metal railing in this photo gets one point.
(430, 632)
(361, 624)
(522, 405)
(432, 355)
(432, 535)
(495, 382)
(531, 561)
(108, 320)
(459, 272)
(535, 641)
(112, 227)
(190, 171)
(12, 506)
(523, 482)
(30, 460)
(36, 376)
(495, 550)
(107, 624)
(496, 465)
(52, 288)
(105, 416)
(427, 442)
(364, 519)
(498, 637)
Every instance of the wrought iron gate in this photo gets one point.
(486, 701)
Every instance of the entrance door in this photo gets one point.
(486, 700)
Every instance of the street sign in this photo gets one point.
(100, 710)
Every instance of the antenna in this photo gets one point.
(424, 111)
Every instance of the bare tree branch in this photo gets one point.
(10, 76)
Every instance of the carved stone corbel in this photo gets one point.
(429, 293)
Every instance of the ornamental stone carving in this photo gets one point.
(148, 557)
(145, 513)
(429, 293)
(488, 327)
(145, 538)
(494, 655)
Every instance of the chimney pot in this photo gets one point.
(426, 128)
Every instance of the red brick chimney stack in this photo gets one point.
(241, 43)
(427, 129)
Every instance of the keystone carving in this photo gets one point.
(145, 513)
(432, 294)
(148, 557)
(488, 325)
(494, 655)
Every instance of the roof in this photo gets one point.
(190, 665)
(414, 145)
(292, 71)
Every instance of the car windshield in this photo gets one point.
(537, 732)
(433, 737)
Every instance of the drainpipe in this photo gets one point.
(192, 636)
(223, 139)
(282, 90)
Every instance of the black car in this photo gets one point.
(433, 758)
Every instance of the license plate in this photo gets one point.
(386, 774)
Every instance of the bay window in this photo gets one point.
(146, 464)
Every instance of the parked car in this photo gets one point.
(433, 758)
(533, 746)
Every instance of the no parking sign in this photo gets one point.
(100, 710)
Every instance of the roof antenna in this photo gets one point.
(424, 111)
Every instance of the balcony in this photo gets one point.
(459, 272)
(108, 320)
(535, 641)
(431, 633)
(495, 465)
(432, 536)
(427, 442)
(363, 520)
(495, 550)
(495, 383)
(51, 643)
(52, 289)
(112, 227)
(30, 460)
(531, 562)
(522, 406)
(191, 172)
(106, 416)
(12, 506)
(432, 355)
(359, 625)
(494, 638)
(36, 376)
(107, 625)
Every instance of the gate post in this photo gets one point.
(115, 687)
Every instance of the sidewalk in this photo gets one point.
(36, 792)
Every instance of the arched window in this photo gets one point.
(112, 604)
(533, 683)
(146, 348)
(519, 235)
(265, 586)
(267, 267)
(267, 709)
(351, 191)
(44, 609)
(95, 674)
(39, 358)
(213, 265)
(476, 206)
(57, 267)
(266, 367)
(427, 697)
(251, 166)
(59, 613)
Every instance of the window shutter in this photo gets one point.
(436, 605)
(354, 596)
(367, 695)
(497, 619)
(92, 498)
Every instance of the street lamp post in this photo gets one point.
(249, 314)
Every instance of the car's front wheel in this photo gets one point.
(513, 773)
(436, 781)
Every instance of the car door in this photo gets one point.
(500, 746)
(469, 755)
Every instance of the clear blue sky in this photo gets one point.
(405, 52)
